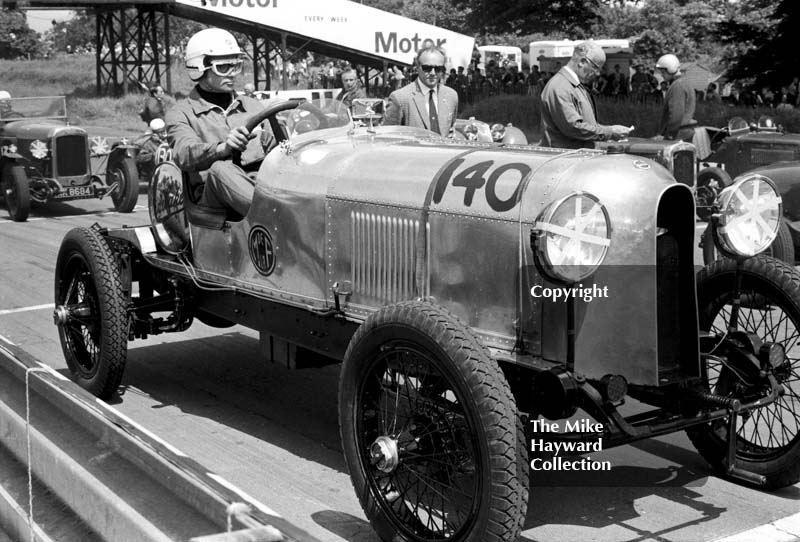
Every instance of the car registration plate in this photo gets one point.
(76, 192)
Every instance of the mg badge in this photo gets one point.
(262, 252)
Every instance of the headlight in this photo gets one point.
(99, 145)
(38, 149)
(749, 217)
(572, 237)
(498, 131)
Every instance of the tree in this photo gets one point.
(767, 42)
(571, 17)
(73, 34)
(17, 39)
(440, 13)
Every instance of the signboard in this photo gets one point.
(347, 24)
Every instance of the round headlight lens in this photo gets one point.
(572, 237)
(750, 214)
(38, 149)
(99, 146)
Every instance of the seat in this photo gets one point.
(202, 215)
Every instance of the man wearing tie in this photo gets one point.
(569, 120)
(426, 102)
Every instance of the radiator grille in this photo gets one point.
(384, 257)
(768, 156)
(70, 155)
(683, 167)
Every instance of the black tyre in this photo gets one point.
(710, 182)
(122, 170)
(768, 438)
(16, 192)
(782, 248)
(91, 311)
(429, 429)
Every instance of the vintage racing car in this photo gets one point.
(43, 158)
(743, 147)
(472, 291)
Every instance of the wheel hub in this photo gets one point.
(384, 454)
(63, 314)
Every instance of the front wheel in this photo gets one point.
(768, 438)
(91, 311)
(16, 192)
(122, 170)
(429, 429)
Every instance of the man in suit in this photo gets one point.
(426, 102)
(569, 120)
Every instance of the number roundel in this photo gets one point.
(163, 153)
(481, 176)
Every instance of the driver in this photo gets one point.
(207, 127)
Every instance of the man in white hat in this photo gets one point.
(207, 127)
(677, 116)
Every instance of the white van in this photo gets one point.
(501, 54)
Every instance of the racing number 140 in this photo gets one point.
(475, 177)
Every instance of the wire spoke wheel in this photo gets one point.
(767, 438)
(407, 400)
(429, 429)
(82, 333)
(91, 311)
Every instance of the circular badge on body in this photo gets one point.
(262, 251)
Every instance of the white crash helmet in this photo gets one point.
(670, 63)
(157, 125)
(4, 95)
(208, 42)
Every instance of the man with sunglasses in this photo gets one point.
(425, 103)
(569, 118)
(207, 127)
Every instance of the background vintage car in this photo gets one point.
(743, 147)
(414, 259)
(44, 158)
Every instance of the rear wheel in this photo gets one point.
(768, 438)
(429, 429)
(16, 192)
(122, 170)
(91, 312)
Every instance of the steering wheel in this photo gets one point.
(267, 113)
(308, 117)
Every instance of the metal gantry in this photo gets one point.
(128, 49)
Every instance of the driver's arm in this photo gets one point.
(196, 144)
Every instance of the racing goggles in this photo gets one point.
(227, 67)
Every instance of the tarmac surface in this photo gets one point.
(274, 432)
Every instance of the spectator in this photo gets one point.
(711, 94)
(569, 119)
(425, 103)
(154, 105)
(249, 89)
(351, 88)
